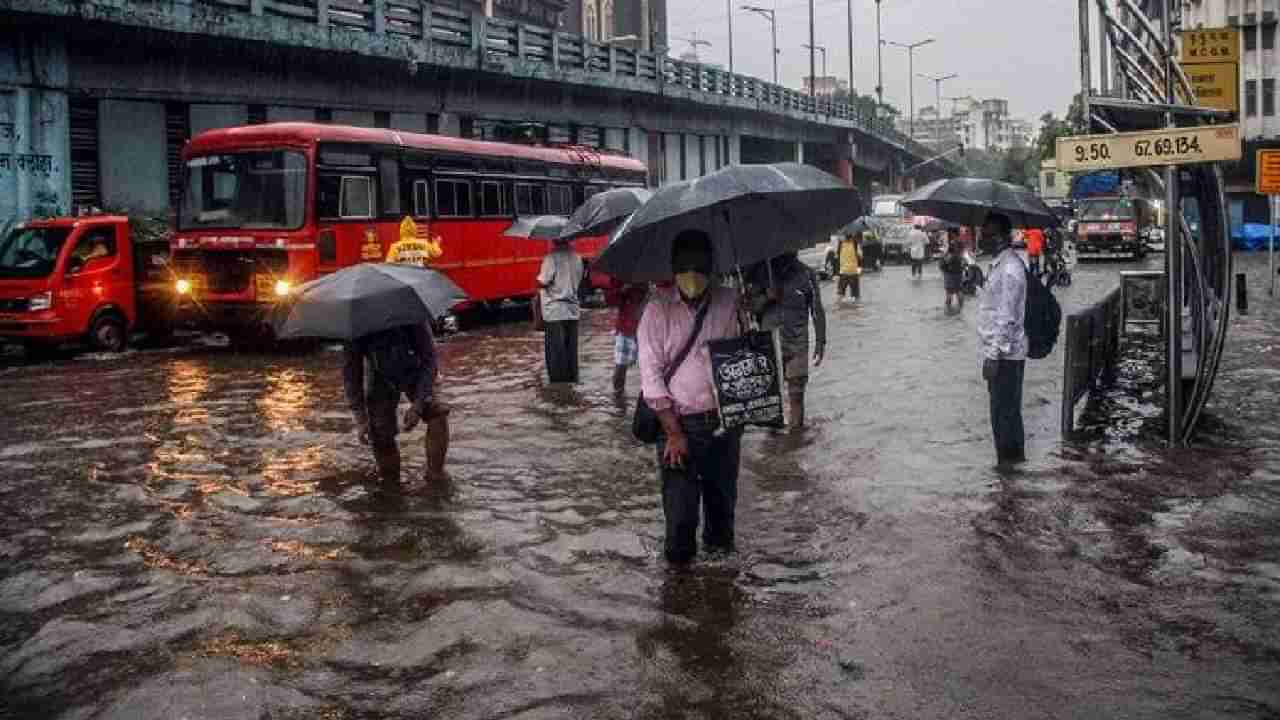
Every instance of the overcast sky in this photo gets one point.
(1021, 50)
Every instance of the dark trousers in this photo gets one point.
(1006, 410)
(560, 343)
(917, 268)
(851, 283)
(708, 479)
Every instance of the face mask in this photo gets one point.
(692, 284)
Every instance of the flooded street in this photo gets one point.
(190, 532)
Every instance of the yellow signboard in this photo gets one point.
(1210, 45)
(1215, 85)
(1176, 146)
(1268, 180)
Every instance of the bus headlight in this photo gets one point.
(183, 286)
(283, 288)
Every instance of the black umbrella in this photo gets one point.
(752, 213)
(936, 225)
(968, 201)
(602, 212)
(537, 227)
(857, 226)
(365, 299)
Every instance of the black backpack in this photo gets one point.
(1043, 318)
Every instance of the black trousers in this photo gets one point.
(851, 283)
(560, 344)
(917, 268)
(1006, 410)
(708, 481)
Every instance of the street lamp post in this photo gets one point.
(812, 69)
(728, 6)
(937, 87)
(822, 49)
(849, 7)
(771, 16)
(879, 62)
(911, 84)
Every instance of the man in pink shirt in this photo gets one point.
(698, 466)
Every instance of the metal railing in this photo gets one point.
(495, 41)
(1091, 345)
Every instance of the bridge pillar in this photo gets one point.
(734, 141)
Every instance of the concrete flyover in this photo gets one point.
(97, 96)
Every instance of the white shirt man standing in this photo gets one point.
(1002, 336)
(917, 248)
(559, 280)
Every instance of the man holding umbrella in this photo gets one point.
(699, 463)
(559, 280)
(1003, 337)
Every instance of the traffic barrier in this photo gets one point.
(1091, 345)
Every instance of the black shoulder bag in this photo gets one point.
(644, 423)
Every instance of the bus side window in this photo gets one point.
(357, 197)
(389, 182)
(559, 200)
(421, 199)
(328, 192)
(493, 199)
(531, 199)
(453, 198)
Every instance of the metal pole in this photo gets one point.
(850, 8)
(1271, 254)
(1173, 253)
(937, 87)
(773, 22)
(1085, 67)
(813, 68)
(728, 4)
(911, 91)
(880, 62)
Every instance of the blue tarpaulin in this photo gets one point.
(1253, 236)
(1094, 184)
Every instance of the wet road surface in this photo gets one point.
(191, 532)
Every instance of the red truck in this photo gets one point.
(85, 278)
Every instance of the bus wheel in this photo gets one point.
(108, 333)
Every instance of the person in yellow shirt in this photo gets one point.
(850, 267)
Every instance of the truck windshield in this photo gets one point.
(1114, 209)
(31, 252)
(886, 208)
(251, 190)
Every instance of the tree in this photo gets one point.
(1051, 128)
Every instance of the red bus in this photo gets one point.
(267, 207)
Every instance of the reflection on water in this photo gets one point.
(213, 528)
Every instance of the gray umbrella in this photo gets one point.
(537, 227)
(602, 212)
(968, 201)
(752, 213)
(367, 298)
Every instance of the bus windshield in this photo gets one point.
(31, 252)
(249, 190)
(1110, 209)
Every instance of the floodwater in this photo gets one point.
(192, 532)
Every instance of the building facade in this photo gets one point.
(985, 124)
(1259, 69)
(604, 20)
(825, 86)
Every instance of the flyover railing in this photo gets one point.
(1091, 345)
(496, 40)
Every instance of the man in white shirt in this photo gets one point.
(917, 242)
(1002, 336)
(559, 280)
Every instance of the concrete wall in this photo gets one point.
(35, 177)
(133, 169)
(290, 114)
(409, 122)
(209, 116)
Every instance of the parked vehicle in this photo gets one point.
(1113, 227)
(89, 278)
(267, 207)
(890, 222)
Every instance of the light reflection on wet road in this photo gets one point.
(189, 533)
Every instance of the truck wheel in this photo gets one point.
(108, 333)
